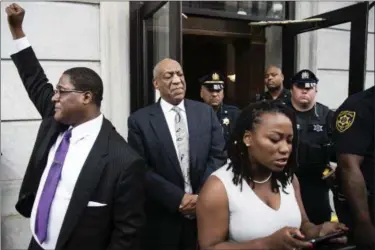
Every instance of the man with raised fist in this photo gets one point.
(83, 186)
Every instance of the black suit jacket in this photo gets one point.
(112, 174)
(149, 135)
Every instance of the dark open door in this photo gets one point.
(357, 16)
(155, 34)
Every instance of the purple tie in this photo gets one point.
(53, 178)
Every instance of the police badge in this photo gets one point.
(318, 128)
(215, 77)
(226, 121)
(305, 75)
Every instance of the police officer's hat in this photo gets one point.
(305, 79)
(213, 81)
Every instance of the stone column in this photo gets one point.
(115, 65)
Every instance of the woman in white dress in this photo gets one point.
(254, 201)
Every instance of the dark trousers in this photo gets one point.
(185, 238)
(189, 237)
(315, 198)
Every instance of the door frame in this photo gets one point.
(357, 16)
(212, 13)
(142, 91)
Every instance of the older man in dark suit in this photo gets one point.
(182, 143)
(83, 187)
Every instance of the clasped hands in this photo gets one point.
(188, 204)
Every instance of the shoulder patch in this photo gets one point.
(345, 120)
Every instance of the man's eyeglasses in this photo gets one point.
(63, 91)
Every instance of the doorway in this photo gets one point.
(249, 57)
(229, 47)
(201, 56)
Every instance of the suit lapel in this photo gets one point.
(86, 183)
(160, 126)
(45, 146)
(193, 126)
(46, 138)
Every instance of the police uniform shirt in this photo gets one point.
(227, 116)
(354, 131)
(284, 96)
(314, 130)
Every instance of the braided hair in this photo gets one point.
(238, 152)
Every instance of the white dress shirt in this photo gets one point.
(21, 44)
(81, 143)
(169, 115)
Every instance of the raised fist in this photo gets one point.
(15, 18)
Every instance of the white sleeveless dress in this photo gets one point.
(249, 217)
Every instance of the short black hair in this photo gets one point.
(238, 152)
(86, 79)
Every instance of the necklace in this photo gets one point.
(264, 181)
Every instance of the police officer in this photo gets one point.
(212, 93)
(314, 124)
(274, 81)
(354, 140)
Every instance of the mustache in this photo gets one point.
(177, 86)
(177, 90)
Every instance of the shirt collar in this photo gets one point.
(166, 106)
(85, 129)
